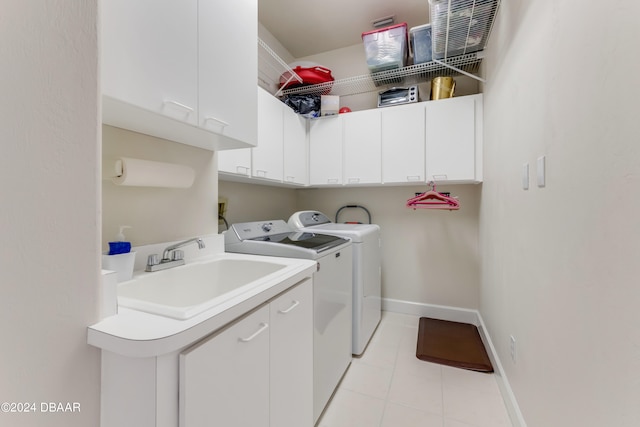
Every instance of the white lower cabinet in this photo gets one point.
(403, 144)
(256, 372)
(225, 379)
(454, 139)
(362, 147)
(291, 357)
(325, 151)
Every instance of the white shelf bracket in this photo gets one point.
(292, 74)
(458, 70)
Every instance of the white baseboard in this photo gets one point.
(464, 315)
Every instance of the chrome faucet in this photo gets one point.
(171, 257)
(167, 251)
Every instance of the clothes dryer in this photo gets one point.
(366, 280)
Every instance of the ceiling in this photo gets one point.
(307, 28)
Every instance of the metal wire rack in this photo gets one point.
(459, 27)
(460, 31)
(469, 63)
(271, 67)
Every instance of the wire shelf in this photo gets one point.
(469, 63)
(459, 27)
(460, 31)
(271, 67)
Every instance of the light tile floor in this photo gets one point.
(389, 387)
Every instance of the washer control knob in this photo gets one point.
(267, 226)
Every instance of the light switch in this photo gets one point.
(541, 171)
(525, 176)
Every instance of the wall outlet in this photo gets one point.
(512, 347)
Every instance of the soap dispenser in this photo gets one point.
(120, 258)
(120, 245)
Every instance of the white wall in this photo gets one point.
(50, 192)
(428, 256)
(157, 214)
(250, 202)
(560, 264)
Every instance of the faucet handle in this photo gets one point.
(177, 255)
(153, 259)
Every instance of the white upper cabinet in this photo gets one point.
(281, 155)
(454, 139)
(296, 162)
(403, 144)
(428, 141)
(228, 68)
(149, 55)
(362, 151)
(325, 151)
(267, 155)
(181, 70)
(237, 162)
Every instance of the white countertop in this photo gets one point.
(135, 333)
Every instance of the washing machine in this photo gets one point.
(332, 292)
(366, 280)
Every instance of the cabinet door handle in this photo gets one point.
(354, 180)
(263, 327)
(413, 178)
(261, 173)
(290, 178)
(242, 170)
(214, 119)
(178, 104)
(332, 181)
(442, 177)
(294, 305)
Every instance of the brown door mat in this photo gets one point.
(452, 344)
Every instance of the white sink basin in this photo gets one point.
(185, 291)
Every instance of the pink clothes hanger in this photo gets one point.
(433, 200)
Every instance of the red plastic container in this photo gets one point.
(309, 75)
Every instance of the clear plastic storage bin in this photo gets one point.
(386, 48)
(420, 42)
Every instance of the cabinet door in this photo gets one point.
(228, 68)
(237, 162)
(325, 151)
(362, 164)
(267, 155)
(149, 55)
(292, 358)
(451, 139)
(225, 380)
(403, 144)
(296, 169)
